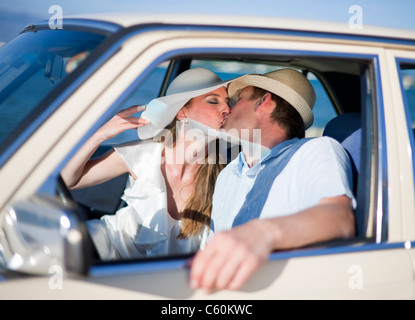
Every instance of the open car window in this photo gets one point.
(332, 99)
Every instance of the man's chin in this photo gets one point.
(227, 125)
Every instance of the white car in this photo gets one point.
(58, 86)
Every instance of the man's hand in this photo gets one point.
(231, 257)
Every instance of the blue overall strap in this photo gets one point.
(272, 164)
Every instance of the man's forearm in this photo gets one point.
(332, 218)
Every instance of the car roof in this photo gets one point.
(132, 19)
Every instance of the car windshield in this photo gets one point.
(32, 65)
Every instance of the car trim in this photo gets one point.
(120, 267)
(385, 35)
(340, 249)
(95, 26)
(382, 163)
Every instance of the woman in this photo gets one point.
(168, 201)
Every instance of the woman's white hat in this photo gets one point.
(189, 84)
(288, 84)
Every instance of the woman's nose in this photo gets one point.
(225, 109)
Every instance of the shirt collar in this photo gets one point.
(243, 167)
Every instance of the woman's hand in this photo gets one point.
(122, 121)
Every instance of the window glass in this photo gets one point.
(407, 73)
(323, 109)
(32, 65)
(408, 84)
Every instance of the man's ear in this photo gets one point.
(261, 104)
(181, 114)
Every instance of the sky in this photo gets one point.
(15, 14)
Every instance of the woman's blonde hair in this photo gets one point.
(198, 208)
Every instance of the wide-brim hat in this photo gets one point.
(288, 84)
(189, 84)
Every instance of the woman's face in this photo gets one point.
(211, 109)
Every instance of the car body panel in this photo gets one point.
(128, 20)
(362, 275)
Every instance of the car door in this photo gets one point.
(374, 266)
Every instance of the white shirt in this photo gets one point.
(319, 169)
(143, 228)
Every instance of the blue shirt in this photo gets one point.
(319, 168)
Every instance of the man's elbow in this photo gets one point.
(347, 225)
(342, 218)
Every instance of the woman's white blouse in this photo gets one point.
(143, 228)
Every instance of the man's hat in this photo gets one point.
(288, 84)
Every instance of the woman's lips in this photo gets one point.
(223, 122)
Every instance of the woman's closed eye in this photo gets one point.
(213, 101)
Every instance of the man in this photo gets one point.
(297, 193)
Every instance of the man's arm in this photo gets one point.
(231, 257)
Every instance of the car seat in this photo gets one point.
(104, 198)
(347, 130)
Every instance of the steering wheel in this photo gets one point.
(62, 191)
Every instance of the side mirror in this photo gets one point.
(40, 233)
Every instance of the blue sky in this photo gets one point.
(387, 13)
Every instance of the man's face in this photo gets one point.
(242, 115)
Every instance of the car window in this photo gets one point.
(323, 109)
(228, 68)
(32, 65)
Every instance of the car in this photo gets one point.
(58, 86)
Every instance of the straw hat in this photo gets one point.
(289, 84)
(189, 84)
